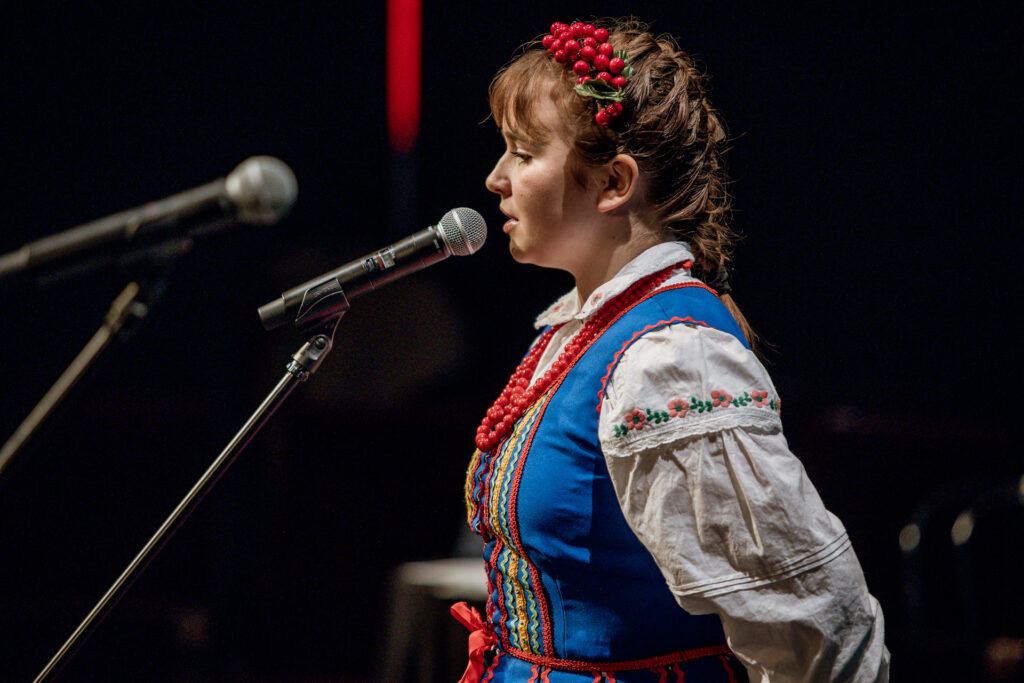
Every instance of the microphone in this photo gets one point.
(460, 232)
(260, 190)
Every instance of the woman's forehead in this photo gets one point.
(535, 119)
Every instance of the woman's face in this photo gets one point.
(551, 216)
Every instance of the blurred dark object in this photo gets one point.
(962, 562)
(424, 642)
(1004, 660)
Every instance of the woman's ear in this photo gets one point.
(620, 181)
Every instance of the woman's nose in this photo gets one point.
(496, 181)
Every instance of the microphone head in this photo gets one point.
(262, 189)
(463, 230)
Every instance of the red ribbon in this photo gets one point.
(481, 639)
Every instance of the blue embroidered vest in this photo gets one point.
(569, 582)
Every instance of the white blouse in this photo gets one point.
(691, 433)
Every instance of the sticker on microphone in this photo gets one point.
(384, 259)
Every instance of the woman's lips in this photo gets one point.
(510, 223)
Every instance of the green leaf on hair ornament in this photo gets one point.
(599, 89)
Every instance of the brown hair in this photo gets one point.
(668, 126)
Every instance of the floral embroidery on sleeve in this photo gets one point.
(638, 418)
(677, 407)
(720, 398)
(635, 420)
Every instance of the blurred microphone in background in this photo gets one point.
(260, 190)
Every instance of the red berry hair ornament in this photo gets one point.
(601, 70)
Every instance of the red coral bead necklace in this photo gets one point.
(518, 394)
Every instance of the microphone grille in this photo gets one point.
(263, 189)
(463, 230)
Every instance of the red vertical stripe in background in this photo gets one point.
(404, 73)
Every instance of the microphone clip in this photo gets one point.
(318, 317)
(321, 303)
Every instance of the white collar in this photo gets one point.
(650, 261)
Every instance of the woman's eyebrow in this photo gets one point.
(537, 139)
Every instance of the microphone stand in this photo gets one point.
(320, 323)
(129, 308)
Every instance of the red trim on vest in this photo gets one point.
(629, 665)
(489, 607)
(546, 627)
(728, 669)
(660, 323)
(629, 342)
(493, 564)
(492, 668)
(485, 496)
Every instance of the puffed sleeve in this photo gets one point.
(691, 433)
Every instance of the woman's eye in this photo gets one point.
(521, 156)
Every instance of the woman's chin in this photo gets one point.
(518, 255)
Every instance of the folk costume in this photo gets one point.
(643, 519)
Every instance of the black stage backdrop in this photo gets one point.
(876, 174)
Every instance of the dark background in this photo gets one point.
(876, 178)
